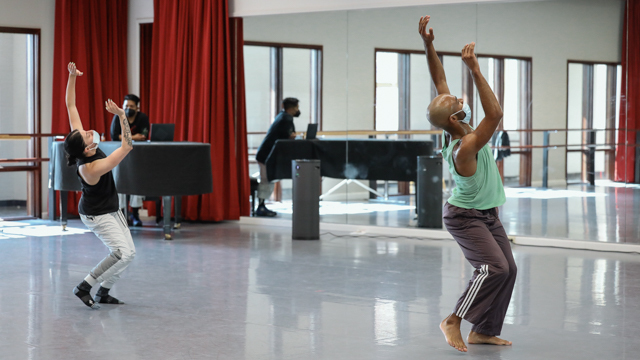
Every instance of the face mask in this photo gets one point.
(467, 113)
(96, 140)
(297, 114)
(129, 112)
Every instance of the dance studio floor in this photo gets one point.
(230, 291)
(605, 213)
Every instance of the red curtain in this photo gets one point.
(630, 93)
(93, 34)
(197, 83)
(146, 38)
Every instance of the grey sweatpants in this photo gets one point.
(486, 246)
(112, 229)
(265, 188)
(135, 201)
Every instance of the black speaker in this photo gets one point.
(429, 192)
(306, 199)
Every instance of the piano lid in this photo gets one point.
(150, 169)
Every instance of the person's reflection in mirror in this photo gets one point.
(281, 128)
(471, 213)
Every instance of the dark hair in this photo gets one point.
(74, 147)
(133, 98)
(288, 103)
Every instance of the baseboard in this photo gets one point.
(550, 183)
(576, 244)
(443, 234)
(358, 229)
(22, 203)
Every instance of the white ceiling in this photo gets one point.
(242, 8)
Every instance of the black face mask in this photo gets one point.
(130, 113)
(297, 114)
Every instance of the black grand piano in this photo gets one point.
(162, 169)
(352, 159)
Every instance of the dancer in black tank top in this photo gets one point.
(98, 206)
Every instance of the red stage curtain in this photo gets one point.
(93, 34)
(197, 83)
(239, 112)
(146, 38)
(630, 93)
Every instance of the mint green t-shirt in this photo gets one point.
(483, 190)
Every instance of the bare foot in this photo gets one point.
(451, 329)
(477, 338)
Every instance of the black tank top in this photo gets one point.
(101, 198)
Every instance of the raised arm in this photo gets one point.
(91, 172)
(74, 116)
(435, 66)
(492, 110)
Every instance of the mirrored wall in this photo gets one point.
(362, 76)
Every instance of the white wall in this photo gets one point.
(549, 32)
(140, 12)
(39, 14)
(328, 29)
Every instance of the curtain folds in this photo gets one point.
(197, 83)
(93, 34)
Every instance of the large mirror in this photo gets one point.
(303, 56)
(554, 66)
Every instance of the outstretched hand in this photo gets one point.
(469, 57)
(113, 108)
(73, 71)
(422, 30)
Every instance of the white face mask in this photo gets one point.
(96, 140)
(467, 113)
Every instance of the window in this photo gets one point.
(404, 90)
(277, 71)
(274, 72)
(592, 103)
(21, 190)
(510, 80)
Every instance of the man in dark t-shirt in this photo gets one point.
(139, 125)
(282, 128)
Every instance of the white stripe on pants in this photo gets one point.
(112, 229)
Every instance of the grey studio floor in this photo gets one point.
(230, 291)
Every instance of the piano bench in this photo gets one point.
(254, 190)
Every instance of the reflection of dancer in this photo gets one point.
(471, 213)
(98, 206)
(282, 128)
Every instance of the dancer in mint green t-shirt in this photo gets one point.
(471, 214)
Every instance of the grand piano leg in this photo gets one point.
(52, 176)
(166, 204)
(127, 198)
(52, 204)
(178, 208)
(64, 198)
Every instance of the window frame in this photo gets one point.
(276, 82)
(609, 135)
(467, 89)
(34, 147)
